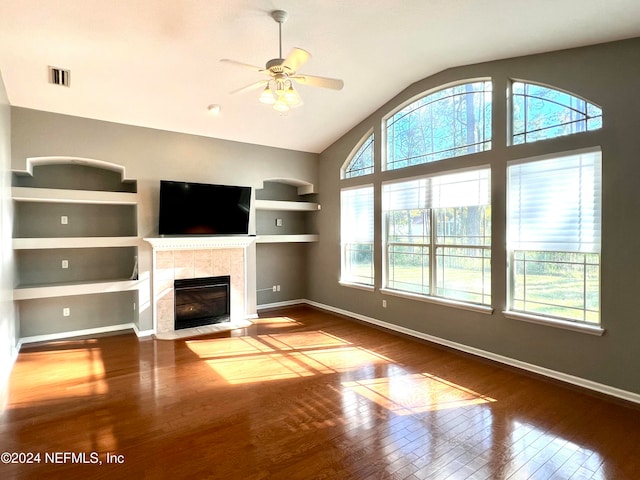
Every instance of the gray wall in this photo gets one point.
(151, 155)
(8, 315)
(607, 75)
(283, 264)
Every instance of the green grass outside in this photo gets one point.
(552, 295)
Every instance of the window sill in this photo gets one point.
(360, 286)
(440, 301)
(554, 322)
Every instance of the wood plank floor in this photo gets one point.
(301, 394)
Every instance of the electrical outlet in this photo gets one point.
(66, 311)
(65, 263)
(278, 222)
(384, 304)
(64, 220)
(273, 288)
(277, 288)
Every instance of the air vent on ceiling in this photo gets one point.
(59, 76)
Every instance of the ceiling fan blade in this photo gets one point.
(296, 58)
(241, 64)
(324, 82)
(253, 86)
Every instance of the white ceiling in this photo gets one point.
(155, 63)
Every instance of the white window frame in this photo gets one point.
(431, 297)
(536, 317)
(345, 277)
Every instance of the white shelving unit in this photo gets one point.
(303, 238)
(73, 242)
(54, 195)
(75, 248)
(287, 206)
(73, 288)
(66, 196)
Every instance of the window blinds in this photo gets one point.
(357, 215)
(461, 189)
(555, 204)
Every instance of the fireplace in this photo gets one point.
(201, 301)
(180, 258)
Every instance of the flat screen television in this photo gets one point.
(188, 208)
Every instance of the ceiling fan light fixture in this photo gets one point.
(291, 96)
(281, 106)
(266, 96)
(279, 91)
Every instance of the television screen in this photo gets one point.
(202, 209)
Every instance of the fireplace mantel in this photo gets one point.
(195, 242)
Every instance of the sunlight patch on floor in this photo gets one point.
(281, 356)
(416, 393)
(227, 347)
(276, 322)
(50, 375)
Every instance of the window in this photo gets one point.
(361, 162)
(436, 221)
(438, 236)
(539, 112)
(357, 235)
(553, 224)
(448, 123)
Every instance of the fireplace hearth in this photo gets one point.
(202, 301)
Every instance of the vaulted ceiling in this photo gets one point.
(156, 63)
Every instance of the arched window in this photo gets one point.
(361, 161)
(447, 123)
(539, 112)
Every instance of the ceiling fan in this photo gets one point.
(278, 88)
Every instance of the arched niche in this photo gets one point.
(74, 173)
(303, 187)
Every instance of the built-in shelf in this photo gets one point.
(67, 289)
(75, 249)
(287, 206)
(74, 242)
(290, 226)
(303, 238)
(53, 195)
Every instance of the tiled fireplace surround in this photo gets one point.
(198, 257)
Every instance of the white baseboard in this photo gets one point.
(142, 333)
(287, 303)
(571, 379)
(76, 333)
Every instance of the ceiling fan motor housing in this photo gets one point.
(275, 66)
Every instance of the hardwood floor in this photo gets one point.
(301, 394)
